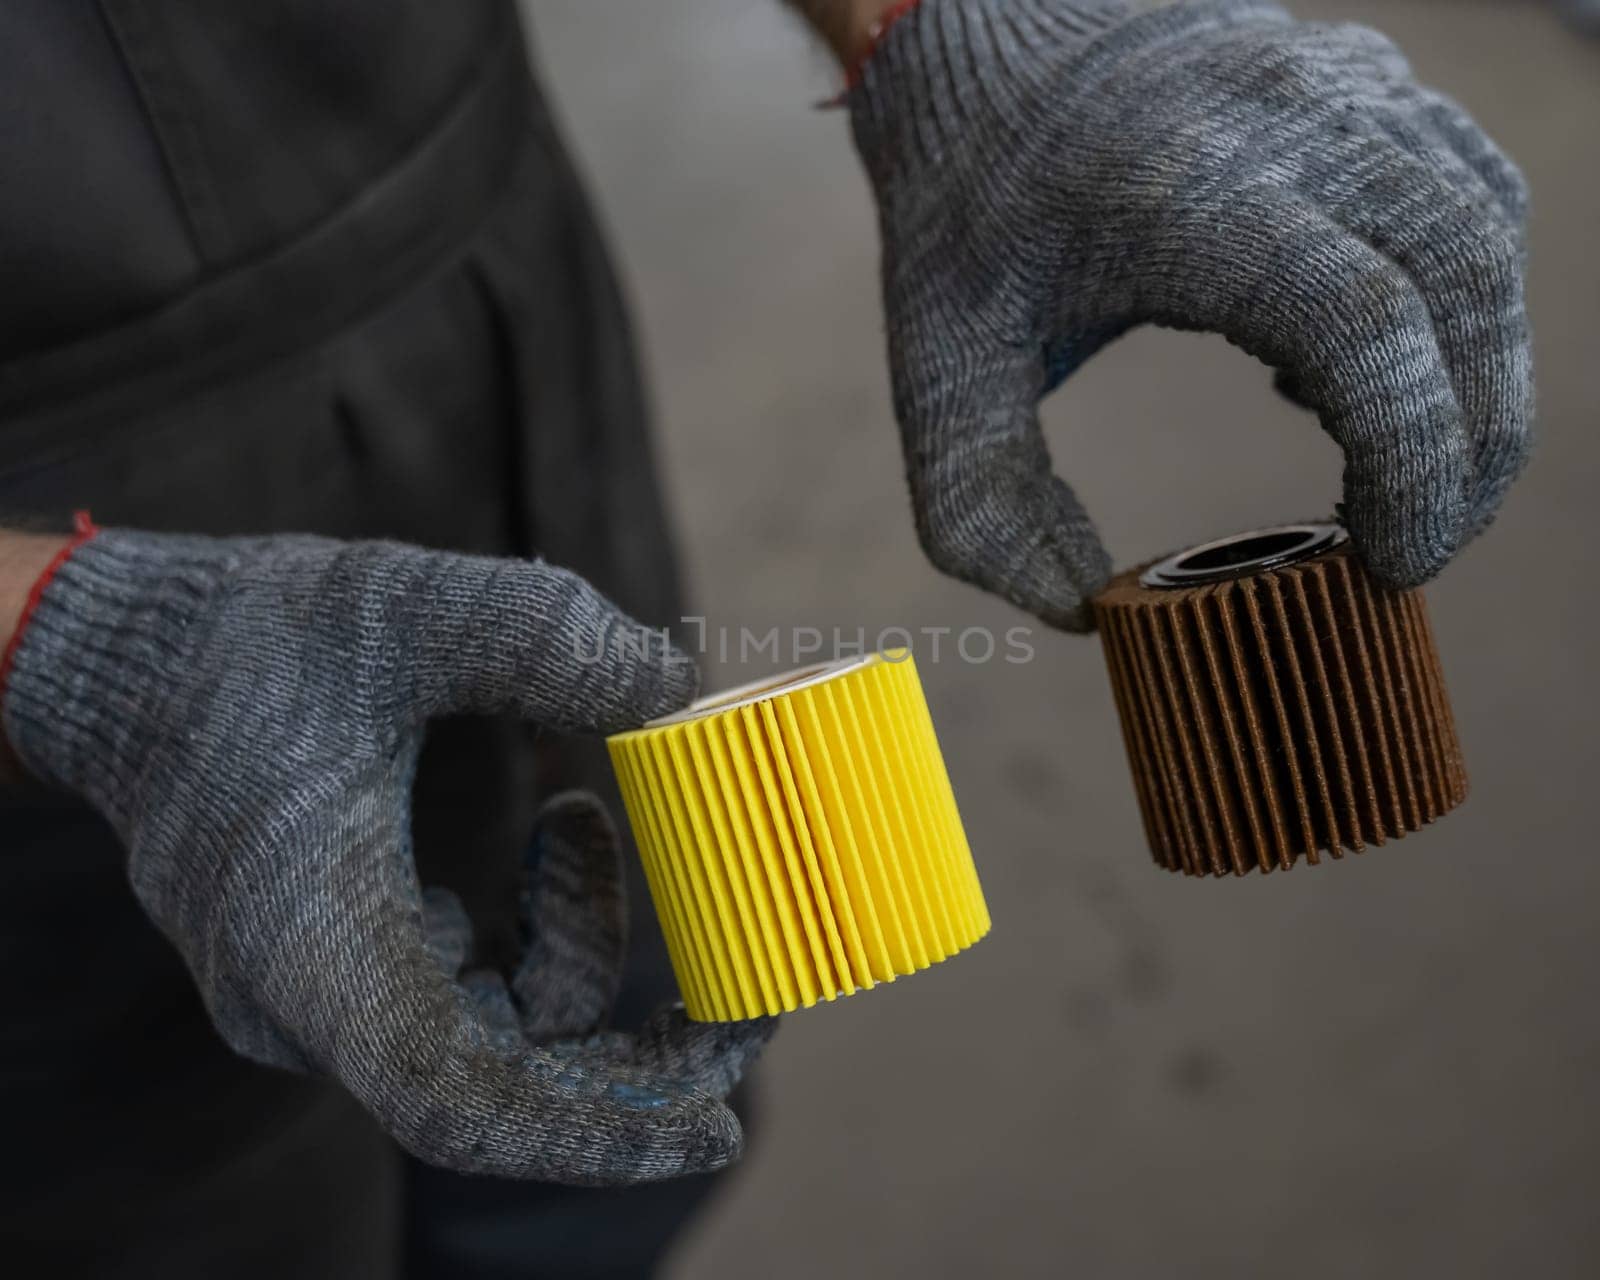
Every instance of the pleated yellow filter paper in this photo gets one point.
(800, 838)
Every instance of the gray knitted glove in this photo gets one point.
(247, 714)
(574, 928)
(1052, 174)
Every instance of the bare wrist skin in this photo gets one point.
(23, 559)
(848, 26)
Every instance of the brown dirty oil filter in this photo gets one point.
(1277, 704)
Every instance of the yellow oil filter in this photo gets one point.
(800, 838)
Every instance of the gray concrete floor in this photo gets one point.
(1387, 1066)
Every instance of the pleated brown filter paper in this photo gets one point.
(1277, 704)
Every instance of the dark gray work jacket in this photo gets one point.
(310, 265)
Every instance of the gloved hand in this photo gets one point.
(247, 714)
(574, 916)
(1051, 174)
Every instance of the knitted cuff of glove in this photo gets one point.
(911, 93)
(951, 38)
(89, 672)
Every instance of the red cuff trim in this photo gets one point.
(84, 528)
(876, 34)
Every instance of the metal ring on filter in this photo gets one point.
(1243, 554)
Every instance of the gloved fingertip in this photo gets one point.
(575, 919)
(565, 656)
(710, 1056)
(1500, 463)
(1071, 608)
(646, 677)
(1405, 494)
(721, 1144)
(446, 928)
(499, 1015)
(748, 1035)
(679, 684)
(1405, 551)
(576, 817)
(648, 1128)
(1067, 602)
(1019, 532)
